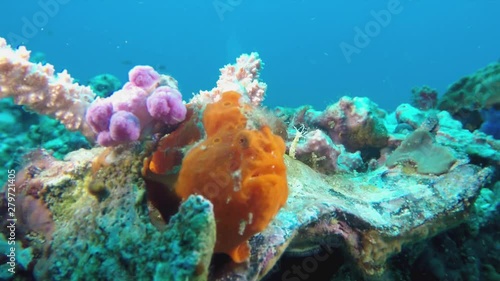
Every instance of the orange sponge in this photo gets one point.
(241, 171)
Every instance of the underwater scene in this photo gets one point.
(233, 140)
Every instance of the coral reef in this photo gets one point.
(424, 98)
(468, 252)
(22, 132)
(339, 138)
(468, 96)
(205, 191)
(318, 150)
(354, 122)
(117, 239)
(369, 217)
(122, 117)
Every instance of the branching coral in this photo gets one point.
(242, 77)
(36, 86)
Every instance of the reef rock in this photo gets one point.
(467, 97)
(369, 216)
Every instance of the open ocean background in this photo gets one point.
(426, 42)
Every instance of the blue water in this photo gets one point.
(423, 42)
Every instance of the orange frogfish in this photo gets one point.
(240, 170)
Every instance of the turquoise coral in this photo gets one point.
(104, 85)
(119, 242)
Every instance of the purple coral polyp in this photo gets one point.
(140, 104)
(99, 114)
(124, 126)
(166, 104)
(144, 76)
